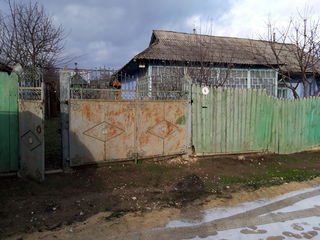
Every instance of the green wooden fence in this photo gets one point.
(9, 128)
(244, 120)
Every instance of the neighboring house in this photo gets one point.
(77, 81)
(78, 77)
(209, 60)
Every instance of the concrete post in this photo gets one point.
(64, 110)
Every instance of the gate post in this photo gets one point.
(64, 111)
(187, 87)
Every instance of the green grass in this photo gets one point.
(211, 187)
(297, 158)
(273, 176)
(314, 159)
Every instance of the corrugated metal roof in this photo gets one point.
(176, 46)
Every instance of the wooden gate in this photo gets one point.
(231, 120)
(9, 128)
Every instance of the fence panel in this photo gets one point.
(243, 120)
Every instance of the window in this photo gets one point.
(282, 92)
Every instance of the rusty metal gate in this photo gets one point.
(125, 130)
(128, 120)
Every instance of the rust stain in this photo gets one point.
(86, 111)
(130, 118)
(75, 131)
(173, 147)
(119, 95)
(148, 113)
(120, 111)
(158, 119)
(144, 139)
(111, 131)
(178, 144)
(170, 128)
(178, 112)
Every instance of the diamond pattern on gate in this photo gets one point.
(30, 140)
(104, 131)
(163, 129)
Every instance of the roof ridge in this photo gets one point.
(215, 36)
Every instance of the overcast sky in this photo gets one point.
(110, 32)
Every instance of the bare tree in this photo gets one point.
(295, 54)
(204, 58)
(29, 36)
(213, 66)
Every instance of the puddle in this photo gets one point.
(305, 203)
(294, 215)
(279, 229)
(218, 213)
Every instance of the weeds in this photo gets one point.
(273, 176)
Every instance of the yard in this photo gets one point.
(73, 196)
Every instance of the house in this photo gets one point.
(78, 77)
(209, 60)
(78, 81)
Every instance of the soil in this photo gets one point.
(104, 226)
(53, 157)
(116, 190)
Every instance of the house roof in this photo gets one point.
(177, 46)
(77, 79)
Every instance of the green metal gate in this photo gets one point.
(9, 128)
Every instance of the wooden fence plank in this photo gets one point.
(236, 120)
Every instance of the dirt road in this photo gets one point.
(289, 211)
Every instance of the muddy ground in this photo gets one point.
(74, 196)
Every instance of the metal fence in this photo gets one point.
(31, 86)
(129, 88)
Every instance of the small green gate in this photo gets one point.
(9, 128)
(231, 120)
